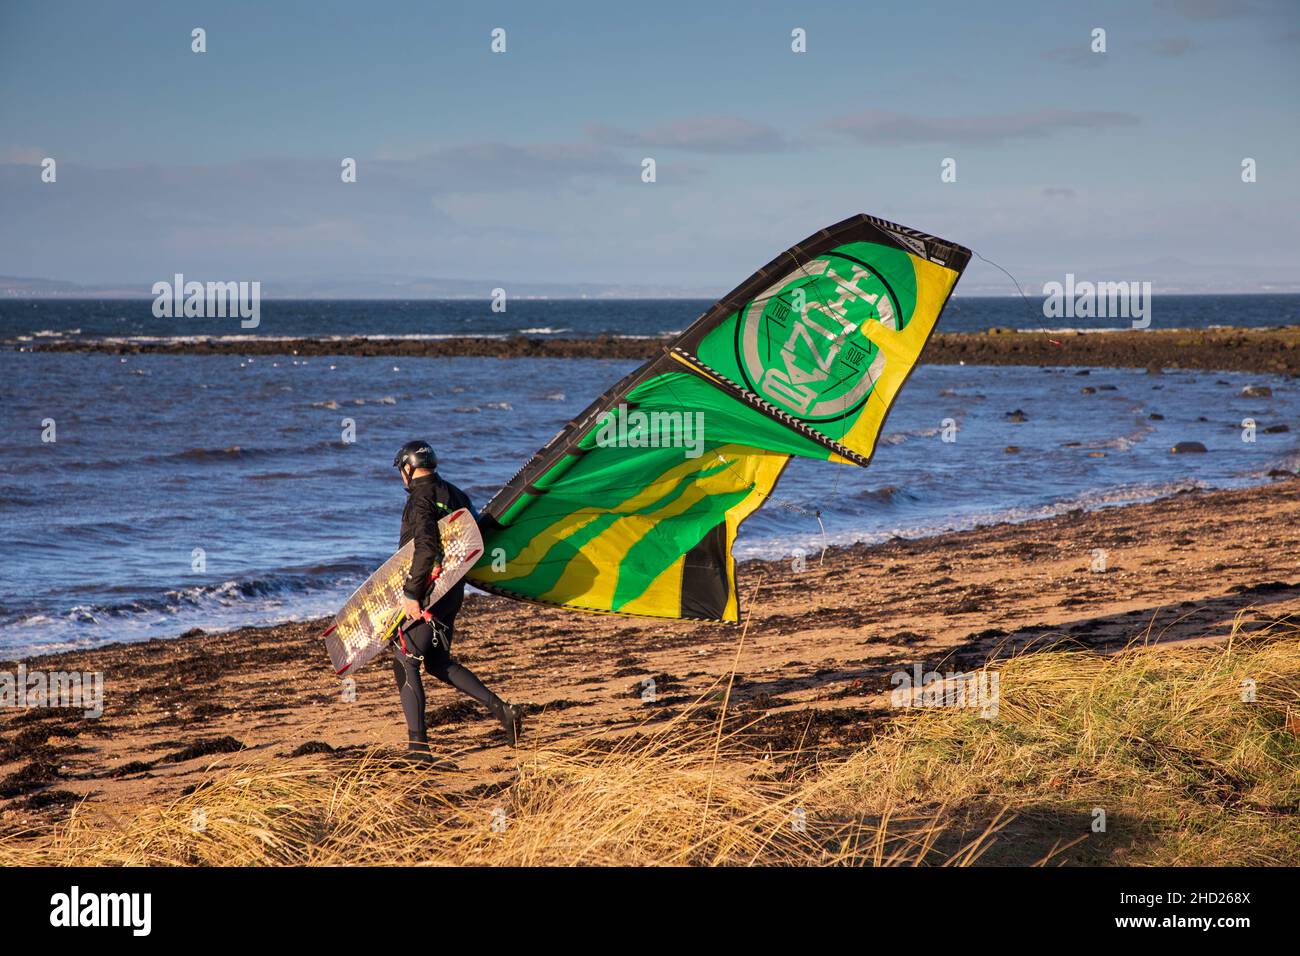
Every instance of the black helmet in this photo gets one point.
(415, 454)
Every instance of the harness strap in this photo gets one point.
(401, 635)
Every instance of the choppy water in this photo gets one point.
(46, 319)
(157, 456)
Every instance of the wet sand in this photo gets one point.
(1274, 351)
(815, 663)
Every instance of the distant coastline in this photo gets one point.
(1273, 351)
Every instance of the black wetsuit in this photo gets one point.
(429, 499)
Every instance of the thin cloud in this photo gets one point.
(1211, 9)
(22, 155)
(879, 128)
(703, 134)
(1173, 46)
(277, 215)
(1075, 56)
(496, 166)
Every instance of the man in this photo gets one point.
(429, 499)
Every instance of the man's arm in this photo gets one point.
(428, 548)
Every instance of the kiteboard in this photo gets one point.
(371, 615)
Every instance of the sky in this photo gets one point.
(526, 166)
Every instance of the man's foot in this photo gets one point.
(512, 721)
(418, 755)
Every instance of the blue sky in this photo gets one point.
(525, 166)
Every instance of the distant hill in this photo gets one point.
(1167, 276)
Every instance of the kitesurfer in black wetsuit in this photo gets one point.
(428, 638)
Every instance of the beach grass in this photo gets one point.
(1157, 755)
(1177, 755)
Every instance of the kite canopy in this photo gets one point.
(634, 506)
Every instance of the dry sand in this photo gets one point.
(816, 660)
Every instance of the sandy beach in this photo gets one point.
(815, 663)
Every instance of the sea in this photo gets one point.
(217, 491)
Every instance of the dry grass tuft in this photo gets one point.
(1160, 738)
(654, 800)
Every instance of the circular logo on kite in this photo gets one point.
(800, 344)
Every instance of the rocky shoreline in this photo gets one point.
(1273, 351)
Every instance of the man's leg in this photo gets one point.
(447, 669)
(406, 667)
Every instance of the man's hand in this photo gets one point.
(412, 608)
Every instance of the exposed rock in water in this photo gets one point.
(1268, 351)
(1188, 448)
(1256, 391)
(1017, 416)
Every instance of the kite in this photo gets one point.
(634, 506)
